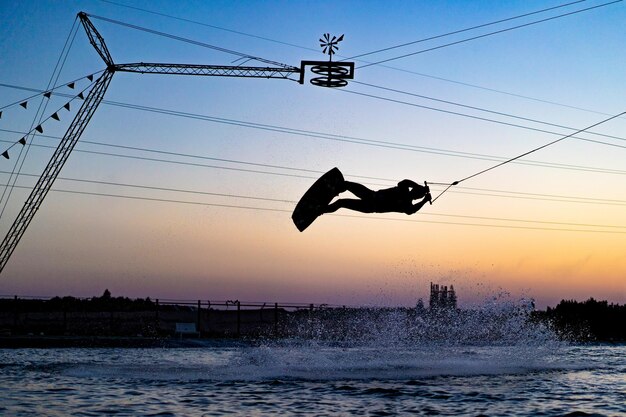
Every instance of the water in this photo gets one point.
(397, 368)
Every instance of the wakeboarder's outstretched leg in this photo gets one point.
(396, 199)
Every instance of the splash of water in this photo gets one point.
(499, 337)
(496, 322)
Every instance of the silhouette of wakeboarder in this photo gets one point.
(397, 199)
(318, 199)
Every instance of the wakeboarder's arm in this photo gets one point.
(415, 207)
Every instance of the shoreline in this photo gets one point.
(54, 342)
(138, 342)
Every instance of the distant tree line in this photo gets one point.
(589, 320)
(94, 304)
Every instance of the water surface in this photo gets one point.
(315, 378)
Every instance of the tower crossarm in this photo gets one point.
(95, 39)
(209, 70)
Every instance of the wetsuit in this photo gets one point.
(395, 199)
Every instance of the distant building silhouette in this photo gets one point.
(441, 297)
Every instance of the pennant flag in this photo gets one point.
(55, 116)
(47, 94)
(23, 141)
(71, 85)
(39, 129)
(67, 106)
(5, 154)
(24, 104)
(81, 96)
(90, 77)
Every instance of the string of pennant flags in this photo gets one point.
(47, 94)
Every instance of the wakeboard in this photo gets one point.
(316, 199)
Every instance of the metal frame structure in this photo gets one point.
(333, 74)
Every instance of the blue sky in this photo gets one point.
(511, 228)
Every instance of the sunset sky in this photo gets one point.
(197, 204)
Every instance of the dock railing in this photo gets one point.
(108, 316)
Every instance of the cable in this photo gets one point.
(234, 206)
(41, 92)
(532, 196)
(391, 100)
(42, 120)
(238, 123)
(528, 196)
(527, 153)
(542, 197)
(59, 65)
(479, 224)
(350, 139)
(361, 141)
(541, 147)
(409, 104)
(347, 138)
(153, 188)
(463, 30)
(278, 174)
(191, 41)
(490, 34)
(142, 158)
(559, 197)
(283, 201)
(367, 62)
(493, 90)
(210, 26)
(315, 50)
(482, 109)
